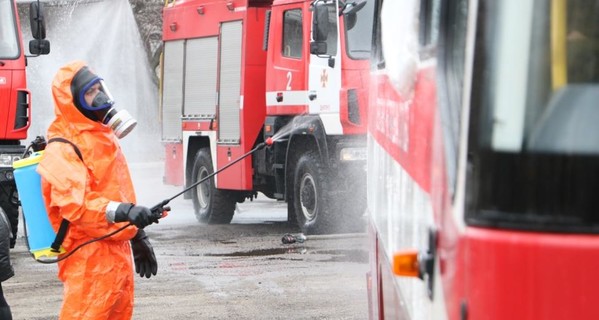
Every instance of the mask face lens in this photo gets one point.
(101, 101)
(95, 96)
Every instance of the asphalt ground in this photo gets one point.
(236, 271)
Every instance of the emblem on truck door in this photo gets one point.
(324, 78)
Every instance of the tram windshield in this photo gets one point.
(534, 128)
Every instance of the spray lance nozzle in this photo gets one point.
(267, 143)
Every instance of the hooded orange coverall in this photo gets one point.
(98, 278)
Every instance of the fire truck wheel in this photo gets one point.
(311, 198)
(211, 205)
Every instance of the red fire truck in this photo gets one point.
(483, 160)
(15, 99)
(237, 72)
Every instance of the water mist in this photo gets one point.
(105, 35)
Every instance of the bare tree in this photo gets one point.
(148, 15)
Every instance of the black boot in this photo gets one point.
(5, 313)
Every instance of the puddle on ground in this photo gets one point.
(257, 252)
(227, 241)
(357, 256)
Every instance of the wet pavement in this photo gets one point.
(236, 271)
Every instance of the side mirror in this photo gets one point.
(349, 11)
(353, 7)
(318, 47)
(350, 21)
(320, 22)
(38, 47)
(36, 19)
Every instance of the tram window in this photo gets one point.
(533, 138)
(582, 41)
(292, 33)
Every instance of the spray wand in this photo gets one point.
(160, 209)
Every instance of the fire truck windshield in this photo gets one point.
(358, 28)
(533, 137)
(9, 45)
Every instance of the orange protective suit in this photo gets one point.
(98, 278)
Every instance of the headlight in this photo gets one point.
(352, 154)
(6, 160)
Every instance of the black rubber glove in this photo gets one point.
(140, 216)
(143, 255)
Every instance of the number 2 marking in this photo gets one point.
(288, 88)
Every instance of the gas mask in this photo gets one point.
(94, 101)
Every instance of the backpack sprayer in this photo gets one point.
(42, 239)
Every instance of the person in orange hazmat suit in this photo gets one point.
(87, 182)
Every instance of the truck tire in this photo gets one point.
(211, 205)
(311, 195)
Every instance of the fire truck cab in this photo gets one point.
(237, 72)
